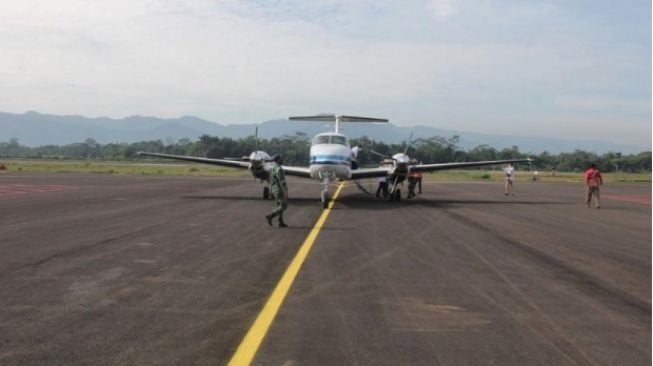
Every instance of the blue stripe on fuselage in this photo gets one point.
(327, 162)
(330, 159)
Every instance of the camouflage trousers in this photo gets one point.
(282, 205)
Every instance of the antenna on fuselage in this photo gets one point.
(337, 118)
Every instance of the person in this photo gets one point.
(418, 181)
(383, 187)
(280, 191)
(354, 157)
(412, 181)
(593, 180)
(510, 176)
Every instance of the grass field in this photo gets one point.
(116, 167)
(190, 169)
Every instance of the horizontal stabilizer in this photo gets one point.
(334, 118)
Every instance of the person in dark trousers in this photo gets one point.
(383, 187)
(418, 180)
(593, 180)
(412, 182)
(280, 191)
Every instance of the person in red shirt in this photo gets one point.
(414, 179)
(593, 180)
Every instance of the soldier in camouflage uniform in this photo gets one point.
(280, 191)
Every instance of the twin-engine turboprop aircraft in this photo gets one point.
(331, 160)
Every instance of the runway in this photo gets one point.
(131, 270)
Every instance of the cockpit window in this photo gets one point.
(320, 140)
(330, 139)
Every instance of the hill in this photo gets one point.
(36, 129)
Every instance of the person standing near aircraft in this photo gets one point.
(280, 191)
(383, 187)
(510, 176)
(412, 181)
(593, 180)
(354, 156)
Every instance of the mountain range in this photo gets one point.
(36, 129)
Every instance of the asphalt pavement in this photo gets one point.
(143, 270)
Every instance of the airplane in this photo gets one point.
(331, 160)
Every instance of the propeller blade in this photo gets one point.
(358, 184)
(408, 143)
(256, 139)
(379, 154)
(394, 184)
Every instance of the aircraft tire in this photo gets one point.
(266, 192)
(397, 195)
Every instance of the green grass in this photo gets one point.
(113, 167)
(148, 167)
(527, 176)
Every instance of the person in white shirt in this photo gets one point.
(510, 176)
(383, 187)
(354, 157)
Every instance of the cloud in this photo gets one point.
(598, 103)
(454, 64)
(441, 10)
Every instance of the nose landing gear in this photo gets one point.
(325, 199)
(326, 178)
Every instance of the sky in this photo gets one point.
(557, 68)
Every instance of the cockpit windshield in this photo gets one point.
(330, 139)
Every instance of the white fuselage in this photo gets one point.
(330, 157)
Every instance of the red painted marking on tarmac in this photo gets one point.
(11, 189)
(642, 199)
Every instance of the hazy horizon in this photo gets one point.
(557, 69)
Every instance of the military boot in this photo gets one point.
(269, 218)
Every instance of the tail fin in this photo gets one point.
(336, 118)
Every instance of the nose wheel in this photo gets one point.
(325, 199)
(326, 178)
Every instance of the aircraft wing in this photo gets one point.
(371, 173)
(221, 162)
(297, 171)
(445, 166)
(294, 171)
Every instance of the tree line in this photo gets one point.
(295, 150)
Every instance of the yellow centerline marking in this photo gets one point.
(254, 337)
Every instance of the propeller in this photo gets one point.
(399, 159)
(257, 155)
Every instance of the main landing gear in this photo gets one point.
(395, 192)
(395, 195)
(266, 192)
